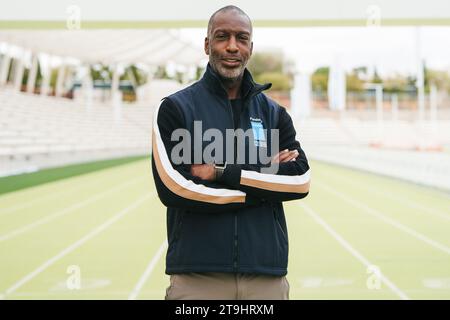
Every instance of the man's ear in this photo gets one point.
(207, 46)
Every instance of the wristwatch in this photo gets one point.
(218, 170)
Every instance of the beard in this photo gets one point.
(226, 72)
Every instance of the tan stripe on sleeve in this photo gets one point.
(279, 187)
(179, 190)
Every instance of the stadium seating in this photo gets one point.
(38, 132)
(408, 150)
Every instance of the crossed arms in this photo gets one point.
(194, 186)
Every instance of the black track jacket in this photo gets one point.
(236, 224)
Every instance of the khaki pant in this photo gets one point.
(227, 286)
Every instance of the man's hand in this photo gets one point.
(285, 156)
(207, 171)
(203, 171)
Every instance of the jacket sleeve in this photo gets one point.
(290, 182)
(175, 185)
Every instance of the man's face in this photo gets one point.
(229, 44)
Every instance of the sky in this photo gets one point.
(390, 49)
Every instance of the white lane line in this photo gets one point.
(65, 211)
(148, 271)
(352, 250)
(30, 203)
(417, 206)
(378, 214)
(49, 195)
(75, 245)
(411, 203)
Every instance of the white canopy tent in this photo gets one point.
(117, 48)
(152, 47)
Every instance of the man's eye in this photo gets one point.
(220, 36)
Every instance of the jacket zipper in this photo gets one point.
(235, 255)
(235, 262)
(236, 247)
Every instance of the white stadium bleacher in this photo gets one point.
(39, 132)
(408, 150)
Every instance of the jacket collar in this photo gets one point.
(249, 88)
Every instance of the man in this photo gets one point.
(225, 222)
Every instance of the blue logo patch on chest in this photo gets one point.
(258, 133)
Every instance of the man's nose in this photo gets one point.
(232, 46)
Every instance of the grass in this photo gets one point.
(100, 223)
(26, 180)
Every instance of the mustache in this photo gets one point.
(231, 57)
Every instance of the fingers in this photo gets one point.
(285, 156)
(203, 171)
(196, 170)
(194, 167)
(276, 158)
(289, 156)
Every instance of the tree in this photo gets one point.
(376, 78)
(161, 73)
(319, 79)
(353, 82)
(440, 79)
(269, 67)
(135, 75)
(280, 81)
(265, 62)
(395, 84)
(101, 72)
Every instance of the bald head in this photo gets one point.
(224, 10)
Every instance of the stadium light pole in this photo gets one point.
(301, 95)
(5, 65)
(19, 70)
(337, 93)
(433, 107)
(420, 76)
(60, 80)
(378, 87)
(46, 74)
(116, 96)
(31, 82)
(394, 107)
(87, 87)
